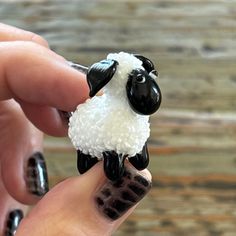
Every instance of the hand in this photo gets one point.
(35, 84)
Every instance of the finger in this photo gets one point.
(32, 74)
(10, 33)
(11, 213)
(48, 119)
(23, 168)
(45, 118)
(87, 205)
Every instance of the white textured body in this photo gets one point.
(107, 122)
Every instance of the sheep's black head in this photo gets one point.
(142, 91)
(144, 95)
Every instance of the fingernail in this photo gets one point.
(115, 198)
(36, 175)
(81, 68)
(13, 221)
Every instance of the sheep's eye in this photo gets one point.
(140, 78)
(153, 74)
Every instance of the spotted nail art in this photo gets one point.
(116, 198)
(36, 175)
(13, 221)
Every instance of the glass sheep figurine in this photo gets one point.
(114, 127)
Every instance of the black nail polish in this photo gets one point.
(65, 115)
(115, 198)
(80, 68)
(36, 175)
(13, 221)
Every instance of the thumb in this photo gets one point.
(87, 205)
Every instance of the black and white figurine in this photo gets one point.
(115, 126)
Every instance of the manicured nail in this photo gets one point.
(65, 115)
(13, 221)
(36, 175)
(115, 198)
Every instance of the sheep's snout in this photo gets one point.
(144, 94)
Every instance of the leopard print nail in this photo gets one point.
(13, 221)
(36, 175)
(115, 198)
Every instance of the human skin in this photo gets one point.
(35, 84)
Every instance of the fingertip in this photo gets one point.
(15, 184)
(74, 89)
(28, 181)
(105, 201)
(11, 212)
(146, 174)
(89, 203)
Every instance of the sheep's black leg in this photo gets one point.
(85, 162)
(140, 161)
(113, 165)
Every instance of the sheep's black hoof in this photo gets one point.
(85, 162)
(113, 165)
(141, 160)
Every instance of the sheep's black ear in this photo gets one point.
(147, 64)
(99, 74)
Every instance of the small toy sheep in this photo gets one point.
(115, 126)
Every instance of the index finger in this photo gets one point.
(34, 74)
